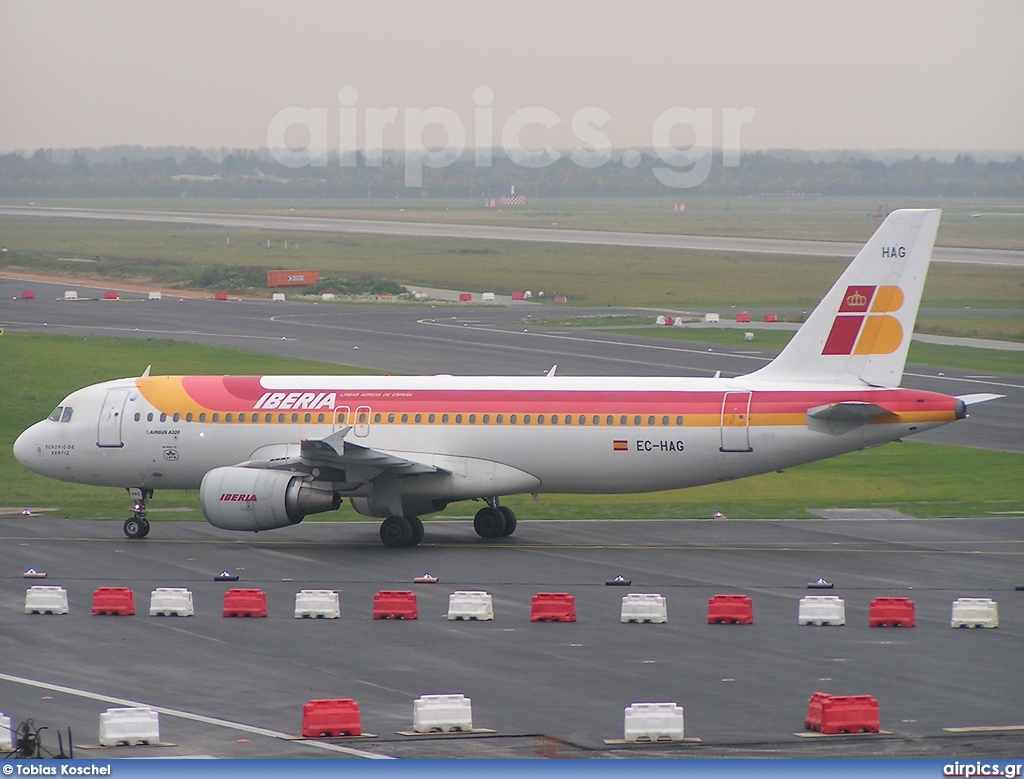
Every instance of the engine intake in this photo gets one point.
(256, 499)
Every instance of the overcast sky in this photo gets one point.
(870, 74)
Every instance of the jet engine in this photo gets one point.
(256, 499)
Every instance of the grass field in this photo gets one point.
(162, 255)
(915, 478)
(999, 226)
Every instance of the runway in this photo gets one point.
(421, 339)
(235, 687)
(766, 246)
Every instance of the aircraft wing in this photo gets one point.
(838, 418)
(334, 452)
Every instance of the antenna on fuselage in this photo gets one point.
(551, 371)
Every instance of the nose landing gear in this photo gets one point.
(138, 525)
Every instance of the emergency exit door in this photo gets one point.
(736, 422)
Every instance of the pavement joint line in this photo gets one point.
(252, 729)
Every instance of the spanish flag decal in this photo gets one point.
(620, 446)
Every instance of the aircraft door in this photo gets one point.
(361, 421)
(342, 418)
(108, 433)
(736, 422)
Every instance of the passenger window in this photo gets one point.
(138, 416)
(472, 419)
(458, 419)
(405, 418)
(499, 419)
(650, 420)
(307, 418)
(241, 417)
(376, 417)
(430, 419)
(202, 417)
(176, 417)
(391, 418)
(295, 418)
(679, 420)
(188, 416)
(55, 414)
(227, 417)
(280, 417)
(362, 418)
(540, 419)
(636, 420)
(319, 417)
(268, 417)
(163, 417)
(526, 419)
(341, 417)
(622, 419)
(512, 419)
(419, 418)
(609, 420)
(149, 417)
(444, 419)
(216, 418)
(664, 420)
(554, 419)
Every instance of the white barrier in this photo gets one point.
(641, 607)
(277, 297)
(975, 613)
(71, 294)
(822, 610)
(653, 722)
(171, 602)
(444, 713)
(6, 736)
(317, 603)
(470, 605)
(44, 599)
(155, 296)
(129, 726)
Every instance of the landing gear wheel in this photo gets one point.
(396, 531)
(489, 523)
(136, 528)
(510, 520)
(417, 530)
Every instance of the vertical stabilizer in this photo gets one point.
(860, 332)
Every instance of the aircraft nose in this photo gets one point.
(25, 448)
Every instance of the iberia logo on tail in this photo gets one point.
(863, 324)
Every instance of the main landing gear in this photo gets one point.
(138, 525)
(401, 531)
(494, 521)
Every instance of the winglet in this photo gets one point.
(860, 332)
(145, 373)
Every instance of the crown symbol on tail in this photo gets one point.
(856, 300)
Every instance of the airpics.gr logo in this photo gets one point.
(863, 324)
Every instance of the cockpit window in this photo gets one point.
(66, 416)
(55, 415)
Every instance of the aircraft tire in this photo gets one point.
(510, 520)
(136, 528)
(396, 531)
(417, 530)
(145, 528)
(489, 523)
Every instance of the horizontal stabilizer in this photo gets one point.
(838, 418)
(979, 397)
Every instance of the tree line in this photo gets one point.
(189, 172)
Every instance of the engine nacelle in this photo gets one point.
(411, 507)
(258, 499)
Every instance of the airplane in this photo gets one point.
(267, 451)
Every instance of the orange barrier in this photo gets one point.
(892, 612)
(553, 607)
(833, 714)
(118, 601)
(245, 603)
(395, 604)
(730, 610)
(335, 717)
